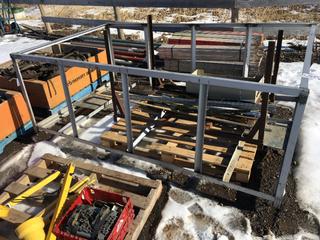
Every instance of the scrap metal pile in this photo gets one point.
(43, 71)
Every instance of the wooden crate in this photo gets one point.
(144, 193)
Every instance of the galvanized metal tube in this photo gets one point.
(291, 145)
(126, 99)
(110, 59)
(202, 112)
(308, 58)
(193, 48)
(68, 100)
(24, 93)
(212, 81)
(246, 63)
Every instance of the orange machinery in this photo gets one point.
(48, 96)
(14, 117)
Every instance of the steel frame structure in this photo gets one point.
(297, 94)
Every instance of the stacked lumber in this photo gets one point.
(172, 139)
(217, 52)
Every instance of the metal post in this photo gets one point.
(292, 141)
(193, 48)
(246, 62)
(308, 58)
(201, 121)
(125, 90)
(151, 46)
(276, 62)
(297, 119)
(110, 59)
(146, 39)
(68, 100)
(24, 93)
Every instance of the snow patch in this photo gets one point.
(15, 43)
(42, 148)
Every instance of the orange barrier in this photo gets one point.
(13, 112)
(49, 94)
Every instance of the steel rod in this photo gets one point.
(246, 63)
(148, 55)
(201, 121)
(126, 98)
(193, 48)
(110, 60)
(68, 100)
(277, 61)
(25, 93)
(308, 58)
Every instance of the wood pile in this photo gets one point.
(217, 52)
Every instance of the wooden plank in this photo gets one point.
(16, 217)
(97, 169)
(232, 164)
(141, 219)
(137, 200)
(38, 172)
(16, 188)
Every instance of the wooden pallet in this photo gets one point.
(172, 139)
(144, 193)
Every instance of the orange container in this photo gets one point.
(49, 94)
(13, 112)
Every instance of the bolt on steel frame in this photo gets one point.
(289, 93)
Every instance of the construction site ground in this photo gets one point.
(263, 217)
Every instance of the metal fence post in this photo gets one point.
(201, 121)
(297, 120)
(308, 58)
(246, 62)
(68, 100)
(125, 91)
(25, 93)
(193, 48)
(148, 47)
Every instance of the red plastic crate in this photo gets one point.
(88, 196)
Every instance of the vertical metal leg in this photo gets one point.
(125, 90)
(193, 48)
(202, 110)
(246, 62)
(308, 58)
(148, 48)
(68, 100)
(292, 141)
(25, 93)
(110, 60)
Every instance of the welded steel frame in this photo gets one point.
(298, 94)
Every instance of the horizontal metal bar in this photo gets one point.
(171, 27)
(61, 40)
(171, 3)
(136, 3)
(168, 166)
(212, 81)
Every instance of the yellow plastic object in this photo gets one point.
(31, 229)
(78, 184)
(62, 199)
(4, 211)
(33, 189)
